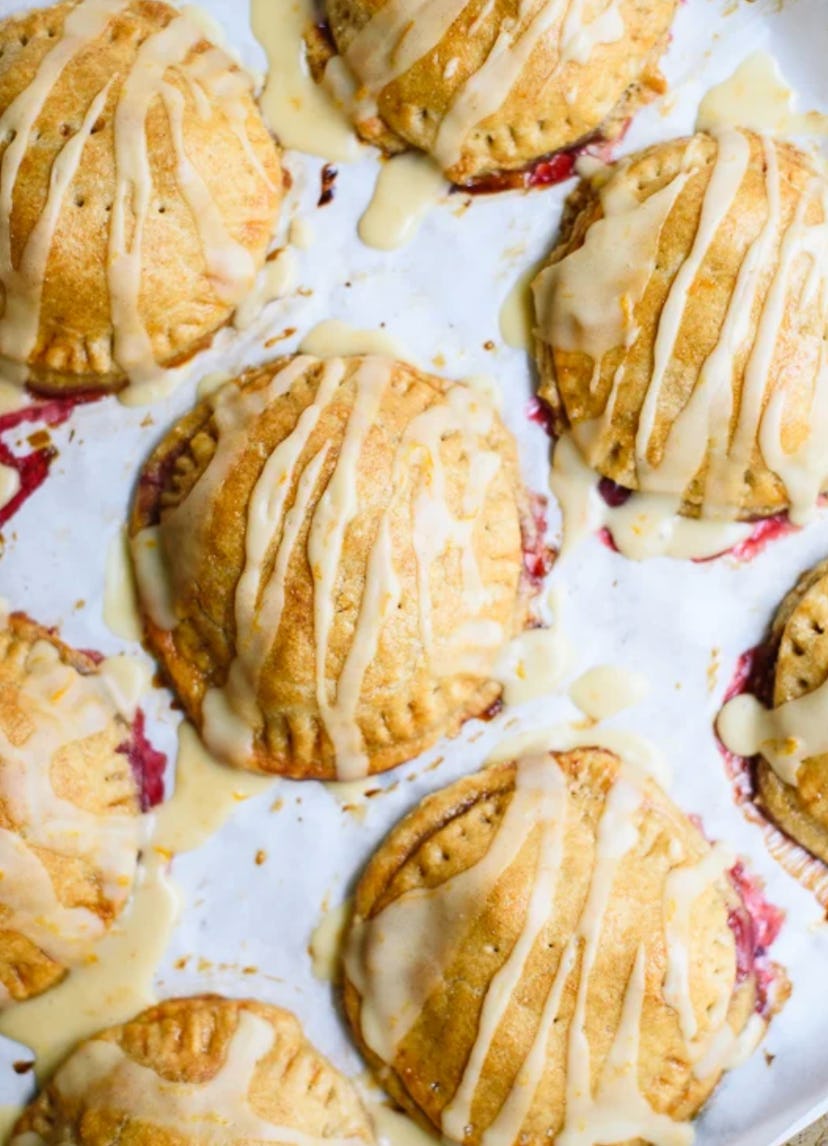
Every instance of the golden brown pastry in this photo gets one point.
(550, 952)
(205, 1069)
(70, 809)
(491, 85)
(138, 191)
(681, 324)
(329, 559)
(790, 736)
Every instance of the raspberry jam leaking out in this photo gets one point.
(146, 762)
(548, 170)
(33, 468)
(755, 926)
(538, 556)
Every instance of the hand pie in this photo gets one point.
(70, 809)
(549, 951)
(197, 1070)
(138, 191)
(681, 326)
(790, 737)
(487, 87)
(329, 559)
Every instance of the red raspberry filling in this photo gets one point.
(33, 468)
(147, 763)
(538, 556)
(755, 926)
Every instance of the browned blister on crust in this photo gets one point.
(403, 702)
(213, 180)
(454, 831)
(236, 1065)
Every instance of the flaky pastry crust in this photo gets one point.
(715, 298)
(236, 1063)
(64, 777)
(574, 83)
(450, 833)
(799, 636)
(428, 458)
(174, 154)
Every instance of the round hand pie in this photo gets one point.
(197, 1070)
(329, 559)
(681, 326)
(491, 85)
(70, 809)
(789, 738)
(138, 191)
(549, 951)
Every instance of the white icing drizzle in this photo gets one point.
(228, 263)
(298, 110)
(407, 186)
(757, 96)
(332, 337)
(120, 605)
(231, 714)
(107, 990)
(335, 510)
(785, 736)
(647, 525)
(606, 690)
(325, 947)
(572, 317)
(676, 468)
(682, 888)
(215, 1111)
(396, 38)
(533, 664)
(400, 956)
(63, 711)
(552, 816)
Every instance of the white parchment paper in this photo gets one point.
(441, 296)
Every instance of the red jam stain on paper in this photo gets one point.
(755, 927)
(538, 555)
(33, 467)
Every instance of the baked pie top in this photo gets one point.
(138, 191)
(789, 736)
(489, 85)
(196, 1070)
(70, 809)
(329, 559)
(681, 325)
(549, 950)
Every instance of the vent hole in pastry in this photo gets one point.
(798, 649)
(802, 683)
(98, 125)
(65, 130)
(818, 628)
(51, 33)
(162, 210)
(24, 40)
(80, 201)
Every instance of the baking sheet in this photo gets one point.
(672, 621)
